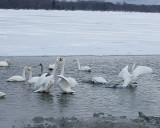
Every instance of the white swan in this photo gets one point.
(45, 82)
(65, 84)
(84, 68)
(2, 94)
(18, 78)
(51, 66)
(130, 78)
(99, 80)
(31, 79)
(5, 63)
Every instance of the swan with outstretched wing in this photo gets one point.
(65, 84)
(124, 74)
(130, 78)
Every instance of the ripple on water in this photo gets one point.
(21, 103)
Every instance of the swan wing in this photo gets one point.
(140, 70)
(86, 67)
(16, 78)
(2, 63)
(64, 84)
(124, 74)
(44, 85)
(51, 66)
(46, 80)
(40, 81)
(72, 82)
(99, 80)
(64, 81)
(33, 80)
(2, 94)
(48, 83)
(40, 89)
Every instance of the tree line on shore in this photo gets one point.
(79, 5)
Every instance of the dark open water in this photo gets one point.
(22, 104)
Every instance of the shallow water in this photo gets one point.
(22, 104)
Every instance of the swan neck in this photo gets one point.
(133, 67)
(41, 69)
(132, 77)
(78, 64)
(55, 68)
(23, 74)
(7, 61)
(62, 69)
(30, 74)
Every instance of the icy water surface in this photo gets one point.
(22, 104)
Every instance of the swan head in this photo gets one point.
(59, 59)
(40, 65)
(8, 61)
(75, 60)
(29, 68)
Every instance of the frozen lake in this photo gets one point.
(40, 32)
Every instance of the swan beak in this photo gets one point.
(28, 68)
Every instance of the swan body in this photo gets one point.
(130, 78)
(31, 79)
(45, 82)
(40, 81)
(4, 63)
(51, 66)
(2, 94)
(99, 80)
(84, 68)
(65, 84)
(18, 78)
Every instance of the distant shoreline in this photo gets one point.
(76, 55)
(79, 5)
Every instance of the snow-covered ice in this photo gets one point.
(48, 32)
